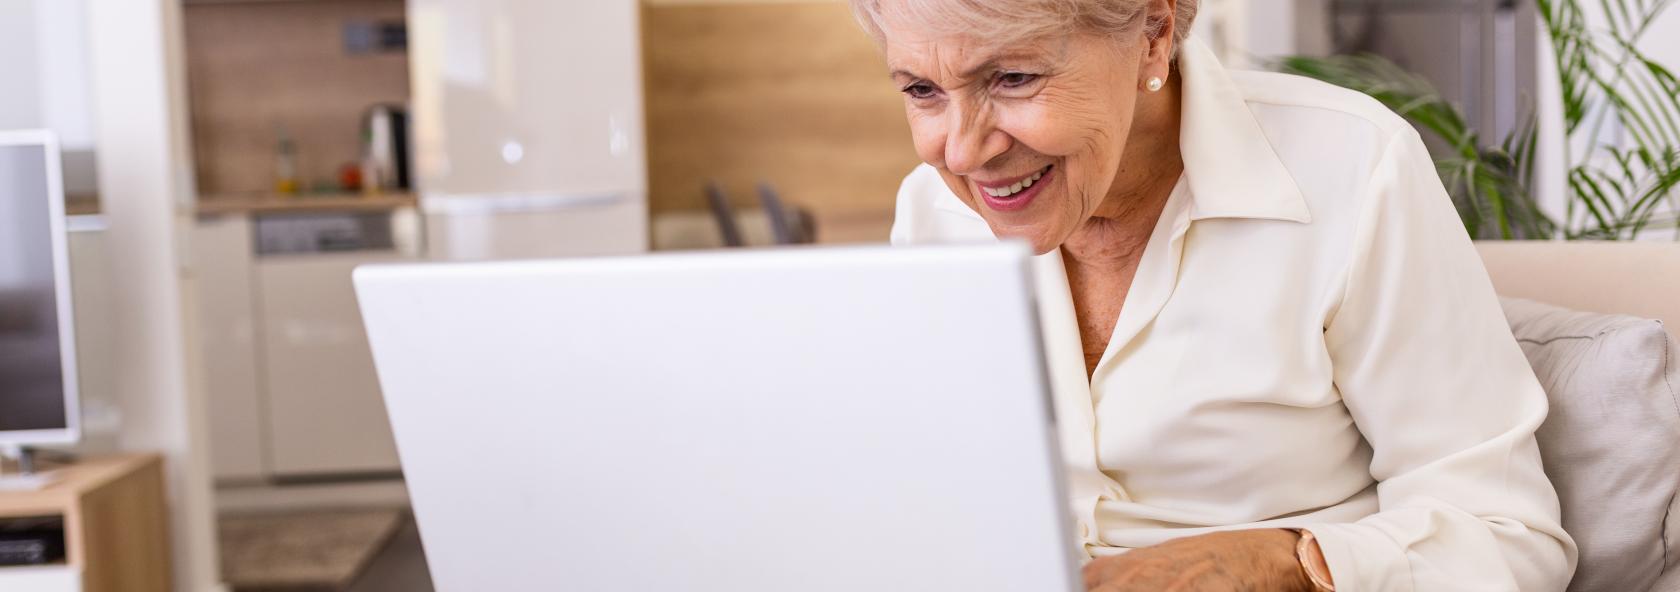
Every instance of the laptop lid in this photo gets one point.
(798, 419)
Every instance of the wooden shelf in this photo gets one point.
(83, 204)
(115, 523)
(74, 482)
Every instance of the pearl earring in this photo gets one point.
(1155, 83)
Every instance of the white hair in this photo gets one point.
(1006, 21)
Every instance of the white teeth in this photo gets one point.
(1014, 189)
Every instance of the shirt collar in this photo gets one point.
(1231, 167)
(1229, 164)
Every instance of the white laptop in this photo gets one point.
(752, 421)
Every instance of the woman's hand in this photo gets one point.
(1260, 560)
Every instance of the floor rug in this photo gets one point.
(323, 550)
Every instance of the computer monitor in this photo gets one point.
(38, 396)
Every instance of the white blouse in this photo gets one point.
(1310, 341)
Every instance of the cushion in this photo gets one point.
(1611, 444)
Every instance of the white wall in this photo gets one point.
(61, 42)
(140, 115)
(44, 71)
(20, 105)
(43, 62)
(95, 306)
(1271, 29)
(1251, 33)
(1664, 45)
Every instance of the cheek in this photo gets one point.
(927, 132)
(1075, 119)
(1085, 131)
(1049, 133)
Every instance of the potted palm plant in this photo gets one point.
(1615, 190)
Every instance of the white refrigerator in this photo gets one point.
(528, 127)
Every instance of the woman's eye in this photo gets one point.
(1016, 79)
(920, 90)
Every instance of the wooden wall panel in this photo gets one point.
(252, 66)
(793, 93)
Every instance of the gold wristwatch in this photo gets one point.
(1312, 562)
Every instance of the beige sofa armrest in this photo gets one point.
(1632, 278)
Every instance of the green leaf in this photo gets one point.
(1623, 188)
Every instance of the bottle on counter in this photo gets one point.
(371, 179)
(286, 165)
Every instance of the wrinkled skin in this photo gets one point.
(1261, 560)
(981, 113)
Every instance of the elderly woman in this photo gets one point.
(1277, 361)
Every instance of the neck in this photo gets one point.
(1149, 169)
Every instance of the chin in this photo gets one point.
(1041, 240)
(1042, 224)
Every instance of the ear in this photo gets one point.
(1160, 24)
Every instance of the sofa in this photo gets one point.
(1590, 317)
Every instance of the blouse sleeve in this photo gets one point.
(1431, 375)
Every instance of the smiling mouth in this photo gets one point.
(1016, 187)
(1018, 194)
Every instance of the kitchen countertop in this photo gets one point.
(279, 204)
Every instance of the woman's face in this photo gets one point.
(1029, 135)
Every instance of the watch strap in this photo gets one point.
(1312, 562)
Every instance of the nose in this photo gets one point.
(971, 139)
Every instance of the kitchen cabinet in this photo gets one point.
(227, 325)
(325, 411)
(291, 384)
